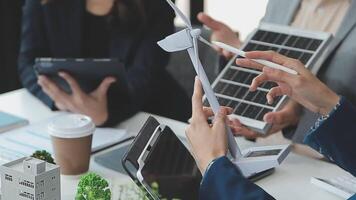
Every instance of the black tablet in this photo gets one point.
(88, 72)
(158, 158)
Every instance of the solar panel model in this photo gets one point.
(232, 85)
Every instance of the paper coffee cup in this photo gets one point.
(71, 139)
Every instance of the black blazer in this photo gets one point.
(55, 30)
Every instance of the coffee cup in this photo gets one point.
(71, 136)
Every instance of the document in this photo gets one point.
(24, 141)
(9, 121)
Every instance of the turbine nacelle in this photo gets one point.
(179, 41)
(195, 33)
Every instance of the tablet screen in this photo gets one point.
(172, 167)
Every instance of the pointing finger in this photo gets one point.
(197, 103)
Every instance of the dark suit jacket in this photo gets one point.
(334, 138)
(55, 30)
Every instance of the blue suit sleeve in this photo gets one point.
(335, 137)
(224, 181)
(33, 44)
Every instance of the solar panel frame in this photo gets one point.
(314, 62)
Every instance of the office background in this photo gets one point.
(239, 17)
(10, 23)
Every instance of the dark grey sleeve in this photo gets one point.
(298, 132)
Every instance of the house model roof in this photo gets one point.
(18, 165)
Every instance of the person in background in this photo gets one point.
(332, 135)
(337, 70)
(124, 29)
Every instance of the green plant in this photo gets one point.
(43, 155)
(93, 187)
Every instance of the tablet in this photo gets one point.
(160, 158)
(88, 72)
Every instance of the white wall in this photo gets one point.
(184, 6)
(241, 15)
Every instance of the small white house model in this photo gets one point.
(30, 179)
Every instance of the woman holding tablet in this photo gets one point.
(332, 135)
(124, 29)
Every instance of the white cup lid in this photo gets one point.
(71, 126)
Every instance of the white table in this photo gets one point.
(290, 181)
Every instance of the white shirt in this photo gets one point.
(321, 15)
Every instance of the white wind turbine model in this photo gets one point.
(250, 161)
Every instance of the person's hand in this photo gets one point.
(233, 123)
(93, 105)
(288, 116)
(220, 32)
(207, 141)
(304, 87)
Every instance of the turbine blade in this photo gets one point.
(180, 14)
(196, 52)
(210, 95)
(176, 42)
(203, 40)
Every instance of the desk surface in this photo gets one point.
(290, 181)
